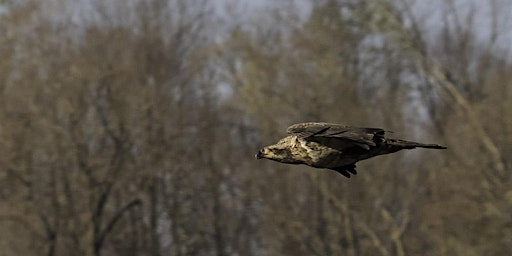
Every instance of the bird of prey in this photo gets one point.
(334, 146)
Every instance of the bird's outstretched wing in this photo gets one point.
(363, 137)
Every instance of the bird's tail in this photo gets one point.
(411, 144)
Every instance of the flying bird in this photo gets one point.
(334, 146)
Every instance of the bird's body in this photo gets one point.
(334, 146)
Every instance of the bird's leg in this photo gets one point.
(352, 169)
(346, 170)
(344, 173)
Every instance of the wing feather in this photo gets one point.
(362, 137)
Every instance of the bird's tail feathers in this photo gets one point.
(411, 144)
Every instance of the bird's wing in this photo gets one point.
(363, 137)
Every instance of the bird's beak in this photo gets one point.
(259, 155)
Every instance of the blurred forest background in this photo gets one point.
(130, 127)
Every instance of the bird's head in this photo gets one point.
(283, 151)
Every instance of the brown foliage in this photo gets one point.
(134, 134)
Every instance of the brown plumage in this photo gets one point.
(334, 146)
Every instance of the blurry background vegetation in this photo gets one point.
(129, 127)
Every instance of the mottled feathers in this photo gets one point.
(333, 146)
